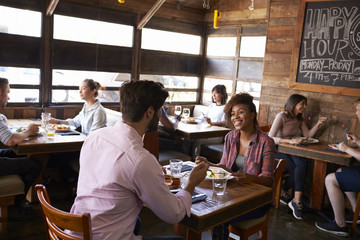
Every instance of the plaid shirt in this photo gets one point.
(260, 157)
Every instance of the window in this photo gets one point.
(253, 46)
(91, 31)
(66, 83)
(20, 22)
(20, 80)
(172, 83)
(209, 83)
(221, 46)
(170, 41)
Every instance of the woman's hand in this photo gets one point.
(322, 120)
(200, 159)
(295, 141)
(240, 176)
(343, 147)
(351, 137)
(208, 120)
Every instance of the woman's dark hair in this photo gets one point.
(240, 98)
(291, 103)
(221, 89)
(137, 97)
(3, 83)
(93, 85)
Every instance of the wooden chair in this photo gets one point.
(278, 175)
(265, 128)
(10, 186)
(56, 220)
(356, 213)
(246, 228)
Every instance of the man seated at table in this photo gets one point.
(345, 179)
(28, 169)
(118, 176)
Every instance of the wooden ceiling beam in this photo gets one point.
(51, 7)
(150, 13)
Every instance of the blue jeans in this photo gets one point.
(297, 168)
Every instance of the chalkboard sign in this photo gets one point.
(326, 56)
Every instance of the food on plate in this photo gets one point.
(305, 140)
(20, 129)
(191, 119)
(215, 173)
(171, 181)
(334, 146)
(59, 126)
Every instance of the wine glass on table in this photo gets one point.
(177, 110)
(186, 113)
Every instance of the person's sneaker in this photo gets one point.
(333, 228)
(349, 216)
(285, 199)
(297, 208)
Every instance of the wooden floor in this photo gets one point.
(282, 224)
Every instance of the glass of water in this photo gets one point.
(219, 186)
(186, 113)
(175, 167)
(177, 110)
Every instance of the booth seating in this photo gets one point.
(199, 110)
(10, 186)
(112, 117)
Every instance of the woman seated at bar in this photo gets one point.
(286, 126)
(92, 116)
(248, 153)
(345, 179)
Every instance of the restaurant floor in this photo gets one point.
(281, 223)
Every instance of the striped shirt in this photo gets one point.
(260, 157)
(5, 132)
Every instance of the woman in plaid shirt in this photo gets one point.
(248, 153)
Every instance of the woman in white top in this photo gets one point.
(289, 124)
(92, 116)
(214, 116)
(215, 113)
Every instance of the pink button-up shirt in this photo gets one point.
(117, 177)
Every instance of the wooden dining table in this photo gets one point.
(41, 144)
(321, 154)
(197, 130)
(239, 198)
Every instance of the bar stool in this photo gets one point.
(10, 186)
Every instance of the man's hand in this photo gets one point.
(197, 175)
(32, 129)
(200, 159)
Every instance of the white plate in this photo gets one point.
(71, 128)
(175, 189)
(334, 146)
(308, 140)
(221, 170)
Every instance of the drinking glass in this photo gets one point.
(186, 113)
(50, 132)
(175, 167)
(177, 110)
(219, 186)
(45, 118)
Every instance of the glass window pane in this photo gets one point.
(252, 46)
(209, 83)
(170, 41)
(181, 97)
(26, 76)
(221, 46)
(23, 95)
(91, 31)
(249, 69)
(20, 22)
(250, 87)
(173, 81)
(74, 78)
(70, 96)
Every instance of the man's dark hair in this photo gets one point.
(221, 89)
(137, 97)
(3, 83)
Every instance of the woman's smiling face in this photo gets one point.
(241, 117)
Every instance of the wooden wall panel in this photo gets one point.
(276, 76)
(219, 67)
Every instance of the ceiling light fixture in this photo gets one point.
(251, 7)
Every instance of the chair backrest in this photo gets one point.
(56, 220)
(265, 128)
(112, 117)
(278, 172)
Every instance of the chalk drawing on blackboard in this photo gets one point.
(330, 44)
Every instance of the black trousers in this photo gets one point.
(27, 168)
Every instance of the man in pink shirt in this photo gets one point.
(118, 176)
